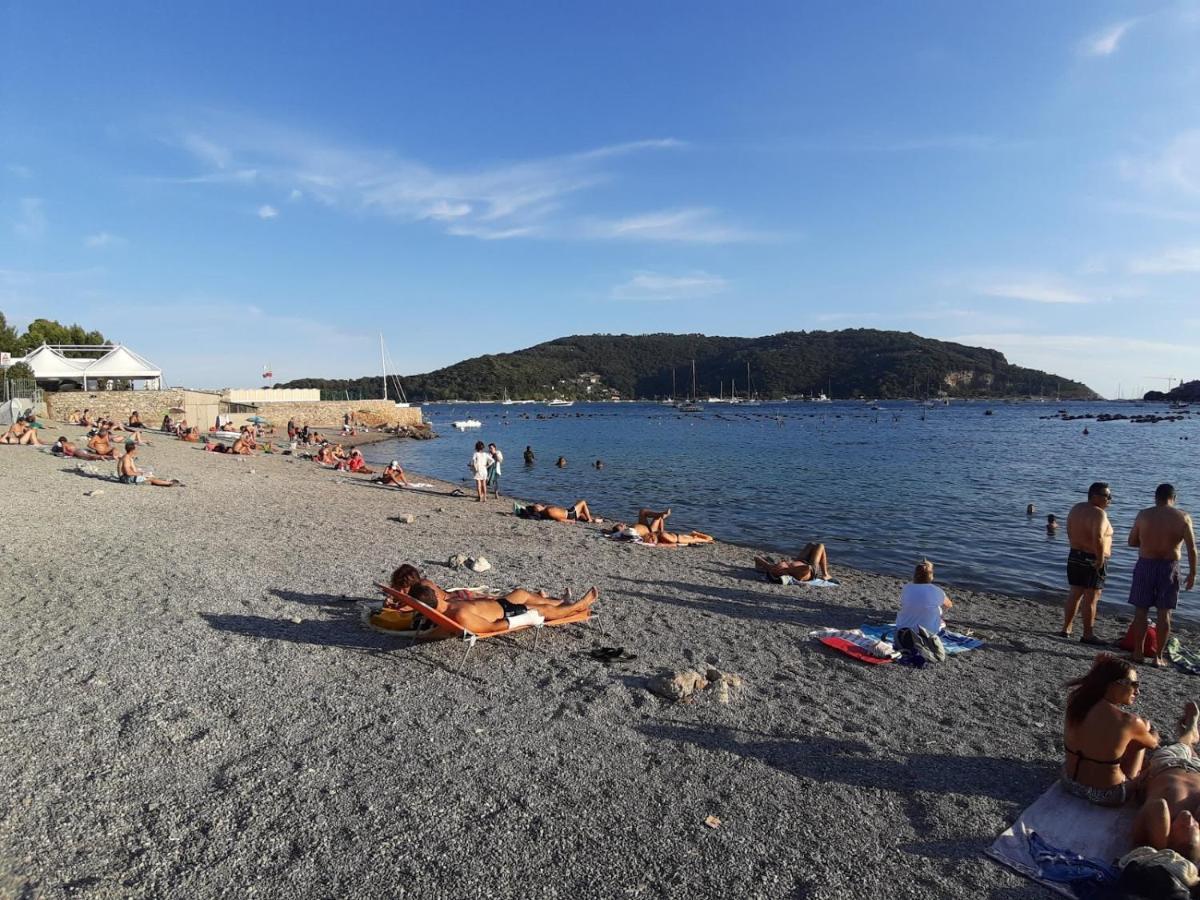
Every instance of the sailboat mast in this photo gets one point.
(383, 364)
(695, 396)
(672, 384)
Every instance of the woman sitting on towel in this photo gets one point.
(393, 475)
(1103, 743)
(813, 562)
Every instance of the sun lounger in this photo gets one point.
(445, 623)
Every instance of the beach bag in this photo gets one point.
(919, 647)
(1149, 645)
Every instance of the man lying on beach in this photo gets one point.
(393, 475)
(243, 446)
(812, 562)
(129, 473)
(1167, 819)
(63, 447)
(21, 432)
(491, 615)
(577, 513)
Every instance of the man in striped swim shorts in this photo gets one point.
(1158, 531)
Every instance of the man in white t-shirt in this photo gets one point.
(921, 605)
(479, 469)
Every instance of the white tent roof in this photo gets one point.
(121, 362)
(49, 364)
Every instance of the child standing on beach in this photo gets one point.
(479, 468)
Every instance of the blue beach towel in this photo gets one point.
(952, 640)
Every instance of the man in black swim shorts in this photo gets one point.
(1090, 534)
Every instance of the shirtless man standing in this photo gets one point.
(1090, 534)
(1157, 533)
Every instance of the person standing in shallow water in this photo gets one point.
(1157, 533)
(529, 457)
(1090, 534)
(494, 471)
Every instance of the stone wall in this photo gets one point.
(201, 407)
(328, 413)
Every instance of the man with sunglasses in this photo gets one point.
(1158, 531)
(1090, 534)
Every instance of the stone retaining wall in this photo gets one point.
(329, 413)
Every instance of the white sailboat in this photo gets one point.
(383, 358)
(692, 405)
(750, 400)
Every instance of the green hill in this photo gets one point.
(852, 363)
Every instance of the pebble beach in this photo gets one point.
(193, 707)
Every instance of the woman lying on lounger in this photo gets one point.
(813, 562)
(1103, 743)
(577, 513)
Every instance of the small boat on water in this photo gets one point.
(561, 403)
(464, 424)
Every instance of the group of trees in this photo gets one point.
(40, 331)
(849, 363)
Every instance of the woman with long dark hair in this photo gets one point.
(1103, 743)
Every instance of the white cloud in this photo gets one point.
(692, 225)
(1031, 290)
(19, 171)
(266, 211)
(1176, 168)
(528, 198)
(1106, 42)
(651, 286)
(1170, 261)
(295, 195)
(103, 239)
(32, 221)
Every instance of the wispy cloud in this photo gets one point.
(692, 225)
(19, 171)
(652, 286)
(31, 221)
(524, 198)
(266, 211)
(1170, 261)
(103, 239)
(1107, 41)
(1031, 290)
(1175, 168)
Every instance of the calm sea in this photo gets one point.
(881, 487)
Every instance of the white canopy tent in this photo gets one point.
(117, 363)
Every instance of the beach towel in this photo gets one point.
(856, 645)
(1183, 659)
(1065, 843)
(952, 640)
(812, 582)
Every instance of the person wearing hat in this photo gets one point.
(129, 473)
(393, 475)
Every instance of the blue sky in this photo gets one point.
(227, 185)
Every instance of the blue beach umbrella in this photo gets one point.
(258, 420)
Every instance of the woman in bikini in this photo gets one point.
(812, 562)
(1103, 743)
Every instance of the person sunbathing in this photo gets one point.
(129, 473)
(393, 475)
(492, 615)
(577, 513)
(326, 457)
(74, 417)
(101, 445)
(812, 562)
(21, 432)
(1167, 818)
(1103, 744)
(111, 425)
(63, 447)
(135, 421)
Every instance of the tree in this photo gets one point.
(19, 371)
(8, 336)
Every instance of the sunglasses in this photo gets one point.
(1130, 683)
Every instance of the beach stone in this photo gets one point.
(95, 493)
(677, 685)
(479, 565)
(406, 518)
